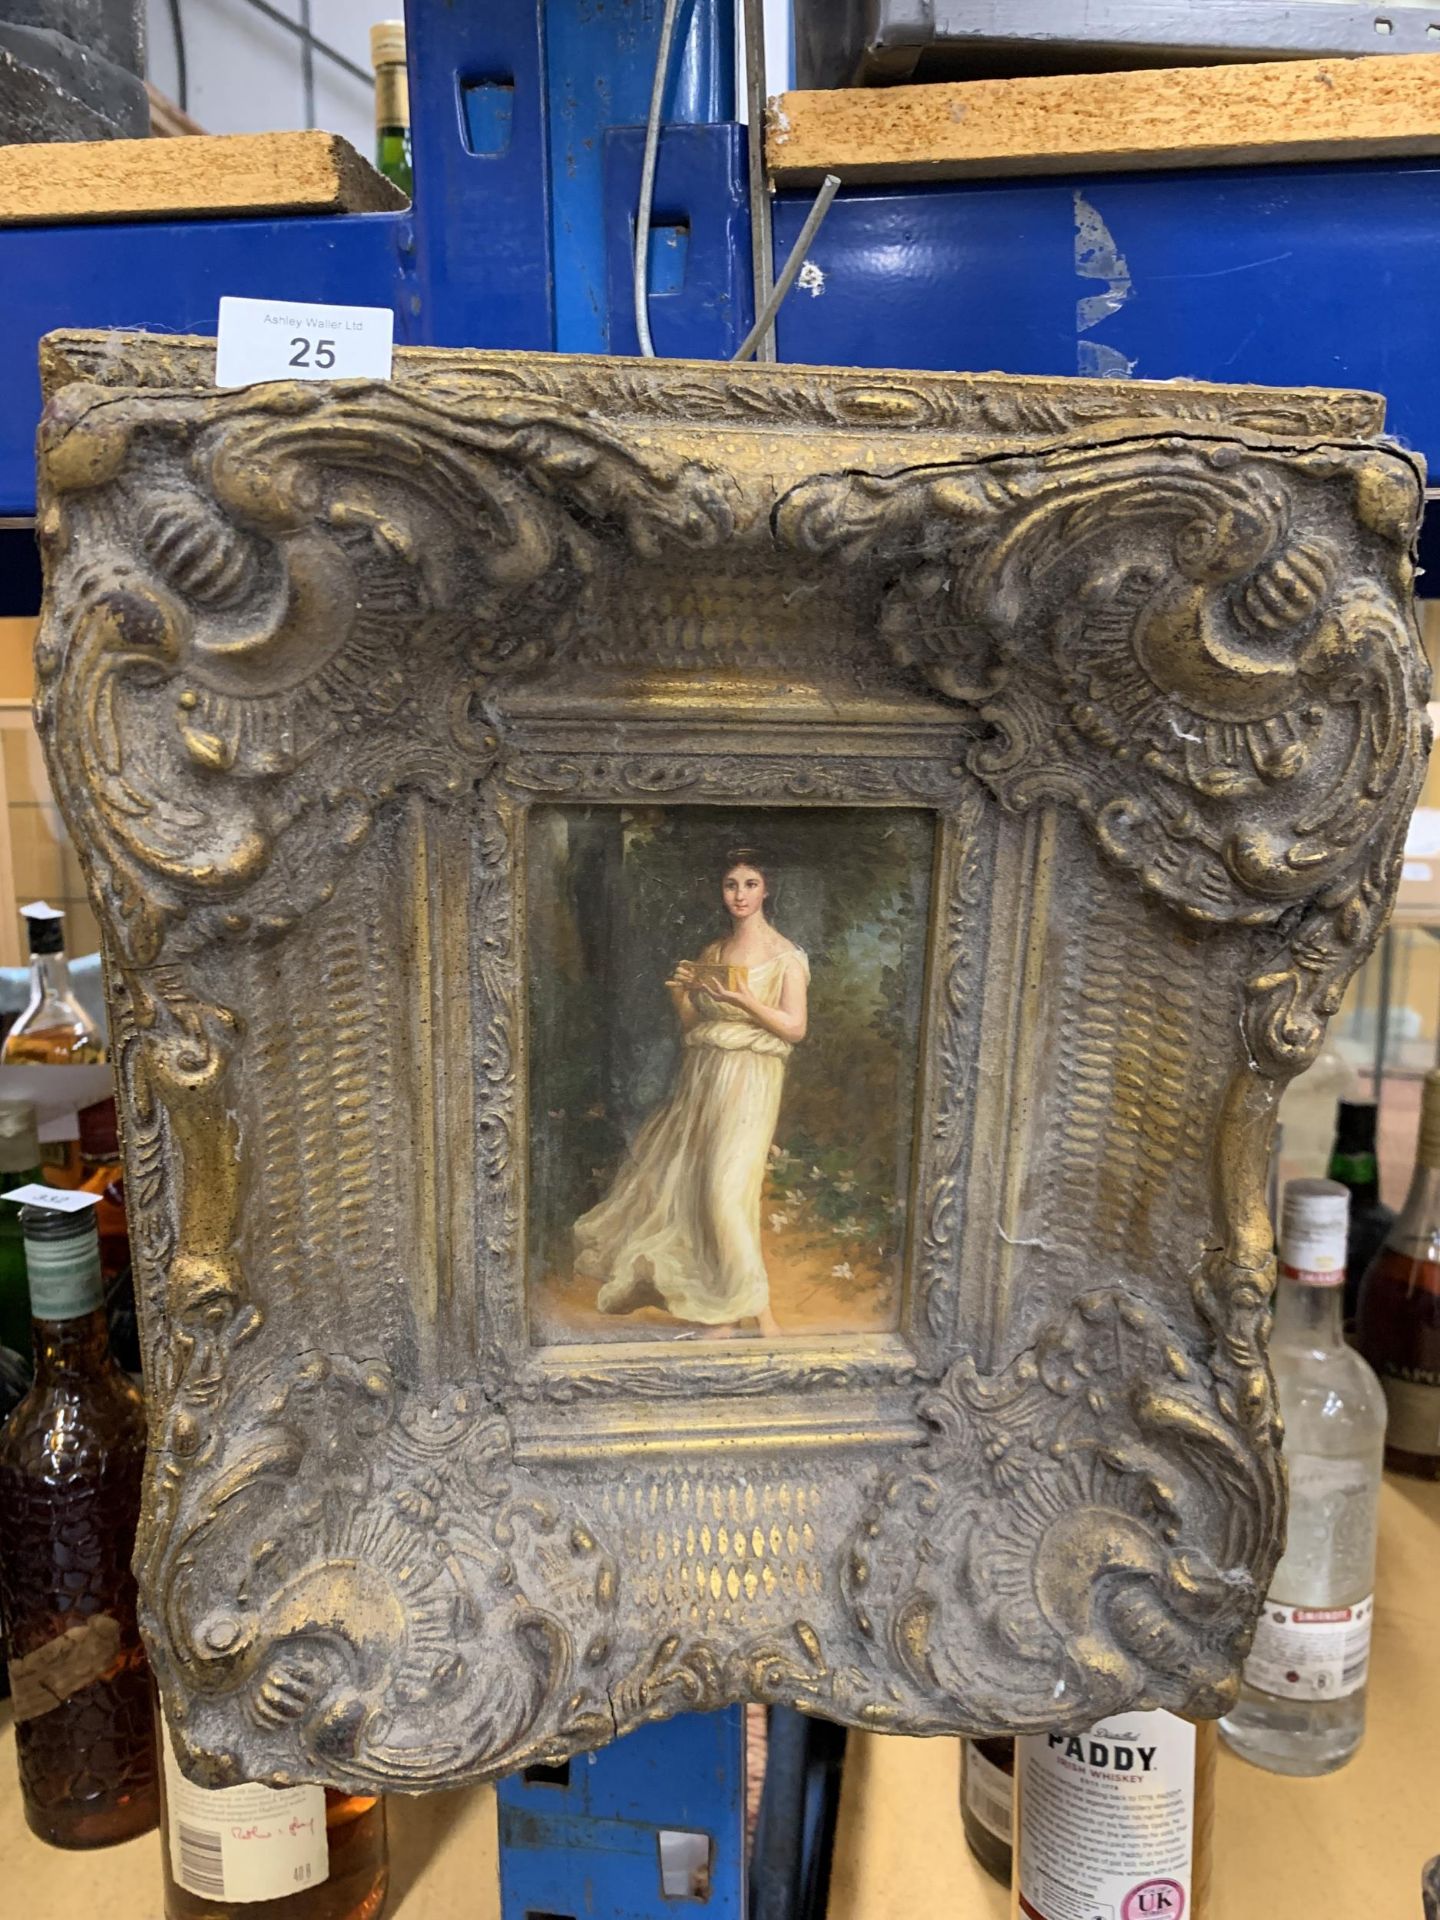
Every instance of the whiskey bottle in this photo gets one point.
(392, 104)
(1398, 1325)
(54, 1030)
(1302, 1706)
(269, 1853)
(1354, 1163)
(987, 1802)
(19, 1167)
(1115, 1820)
(71, 1457)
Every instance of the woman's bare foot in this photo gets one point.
(766, 1323)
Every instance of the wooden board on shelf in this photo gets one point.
(1292, 110)
(58, 183)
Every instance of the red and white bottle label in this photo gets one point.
(1107, 1820)
(1311, 1653)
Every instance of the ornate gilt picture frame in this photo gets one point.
(410, 733)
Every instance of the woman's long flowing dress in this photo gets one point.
(680, 1227)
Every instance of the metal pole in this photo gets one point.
(1382, 1009)
(307, 63)
(761, 237)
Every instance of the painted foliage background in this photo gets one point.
(615, 897)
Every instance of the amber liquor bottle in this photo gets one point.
(269, 1853)
(53, 1030)
(1398, 1327)
(71, 1458)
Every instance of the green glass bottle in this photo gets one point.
(1354, 1163)
(19, 1165)
(72, 1457)
(392, 103)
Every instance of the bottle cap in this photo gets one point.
(1429, 1152)
(62, 1262)
(44, 927)
(387, 43)
(1314, 1221)
(19, 1141)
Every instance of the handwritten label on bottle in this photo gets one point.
(244, 1843)
(73, 1660)
(57, 1199)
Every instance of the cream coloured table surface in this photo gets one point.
(443, 1862)
(1348, 1847)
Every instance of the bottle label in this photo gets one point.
(1311, 1653)
(392, 95)
(1107, 1820)
(989, 1793)
(1414, 1409)
(50, 1675)
(244, 1843)
(1354, 1169)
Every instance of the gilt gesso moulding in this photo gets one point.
(535, 1348)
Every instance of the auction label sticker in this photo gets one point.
(287, 340)
(57, 1199)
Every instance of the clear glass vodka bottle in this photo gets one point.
(1302, 1706)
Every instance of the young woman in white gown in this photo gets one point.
(680, 1226)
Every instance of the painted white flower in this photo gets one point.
(845, 1186)
(816, 1174)
(847, 1229)
(842, 1270)
(778, 1222)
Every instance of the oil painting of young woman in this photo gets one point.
(718, 1149)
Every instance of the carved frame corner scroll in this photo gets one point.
(313, 656)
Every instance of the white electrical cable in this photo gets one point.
(647, 180)
(794, 260)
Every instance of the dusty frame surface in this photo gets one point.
(312, 657)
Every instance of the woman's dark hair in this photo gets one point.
(746, 857)
(759, 861)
